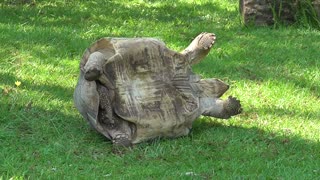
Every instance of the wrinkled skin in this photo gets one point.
(135, 89)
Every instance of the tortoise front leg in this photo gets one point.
(113, 127)
(93, 70)
(199, 47)
(219, 108)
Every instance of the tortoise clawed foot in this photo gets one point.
(199, 47)
(122, 140)
(206, 40)
(233, 106)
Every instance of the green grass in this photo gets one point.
(274, 72)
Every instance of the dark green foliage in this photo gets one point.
(307, 14)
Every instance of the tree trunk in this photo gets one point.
(267, 12)
(316, 5)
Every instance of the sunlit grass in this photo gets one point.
(274, 72)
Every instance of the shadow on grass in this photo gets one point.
(253, 136)
(33, 139)
(232, 151)
(67, 27)
(217, 131)
(110, 13)
(286, 113)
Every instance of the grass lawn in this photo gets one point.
(275, 72)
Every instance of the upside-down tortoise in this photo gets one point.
(136, 89)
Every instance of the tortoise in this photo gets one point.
(135, 89)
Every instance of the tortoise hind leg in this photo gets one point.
(199, 47)
(220, 108)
